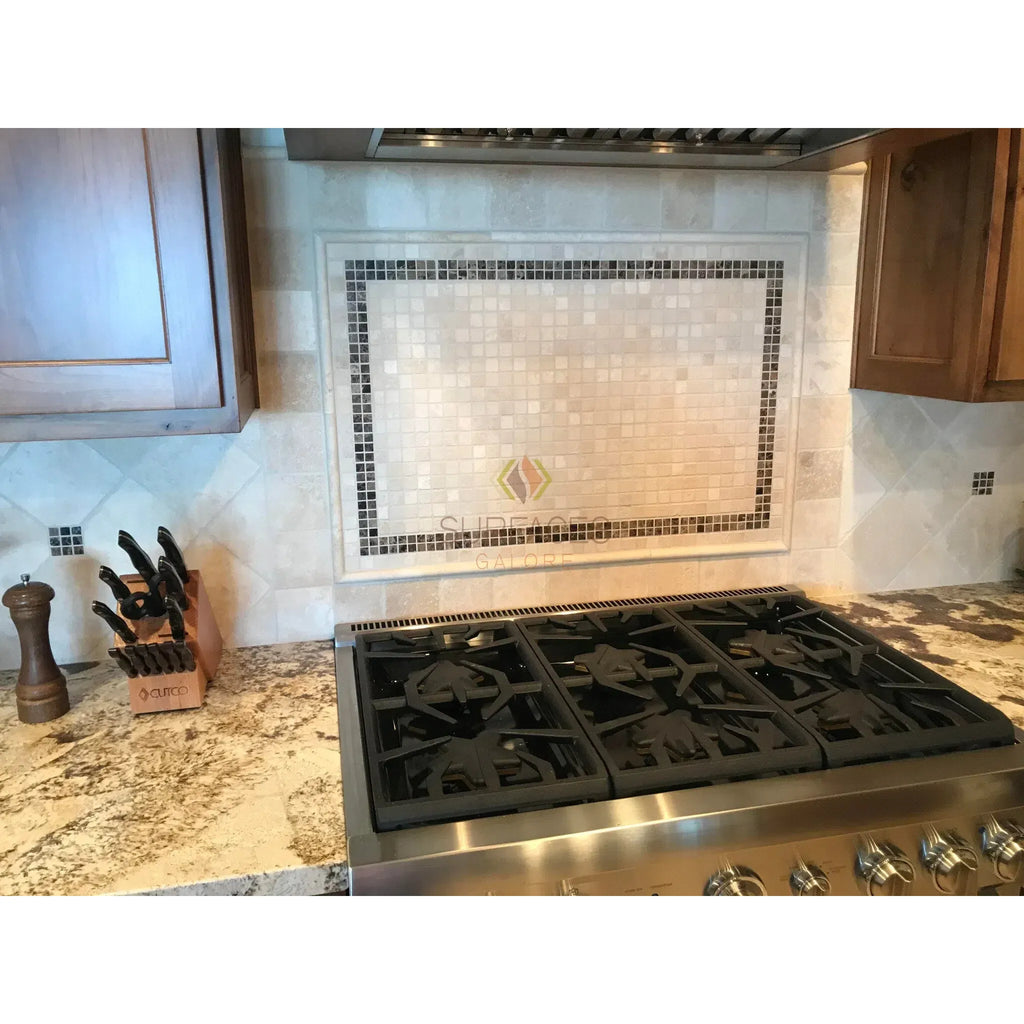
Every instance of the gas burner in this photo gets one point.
(611, 667)
(460, 721)
(658, 709)
(458, 681)
(862, 701)
(484, 762)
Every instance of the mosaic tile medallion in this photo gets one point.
(521, 404)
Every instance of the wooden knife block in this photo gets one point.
(173, 691)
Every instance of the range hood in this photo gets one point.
(805, 149)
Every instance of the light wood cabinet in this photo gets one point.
(940, 296)
(125, 305)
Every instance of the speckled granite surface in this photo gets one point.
(240, 796)
(244, 795)
(972, 635)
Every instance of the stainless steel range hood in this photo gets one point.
(723, 148)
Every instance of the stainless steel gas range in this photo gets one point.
(739, 743)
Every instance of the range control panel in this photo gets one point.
(953, 857)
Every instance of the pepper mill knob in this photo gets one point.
(41, 691)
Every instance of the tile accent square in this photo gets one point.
(65, 540)
(983, 482)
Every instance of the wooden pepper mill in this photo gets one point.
(41, 691)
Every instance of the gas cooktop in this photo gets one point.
(536, 717)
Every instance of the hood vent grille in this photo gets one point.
(609, 137)
(597, 147)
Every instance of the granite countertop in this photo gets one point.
(240, 796)
(973, 635)
(244, 794)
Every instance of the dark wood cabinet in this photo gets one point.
(125, 305)
(940, 296)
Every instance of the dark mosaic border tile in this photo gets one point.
(983, 482)
(359, 273)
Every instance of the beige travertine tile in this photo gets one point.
(789, 201)
(293, 442)
(819, 474)
(837, 204)
(687, 200)
(740, 201)
(634, 201)
(826, 368)
(276, 193)
(824, 421)
(297, 501)
(305, 612)
(829, 313)
(284, 322)
(290, 382)
(302, 558)
(281, 259)
(815, 523)
(832, 258)
(337, 196)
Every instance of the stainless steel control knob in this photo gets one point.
(1003, 844)
(884, 869)
(809, 880)
(566, 888)
(951, 861)
(734, 881)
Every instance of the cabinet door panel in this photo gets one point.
(1008, 346)
(928, 257)
(105, 300)
(79, 278)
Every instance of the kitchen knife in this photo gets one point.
(143, 563)
(114, 621)
(123, 662)
(187, 658)
(173, 584)
(173, 553)
(132, 654)
(155, 651)
(147, 659)
(170, 652)
(118, 587)
(175, 619)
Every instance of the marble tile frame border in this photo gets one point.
(795, 244)
(358, 273)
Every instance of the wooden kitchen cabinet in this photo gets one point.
(125, 305)
(940, 295)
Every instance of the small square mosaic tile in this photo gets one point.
(504, 395)
(983, 483)
(65, 540)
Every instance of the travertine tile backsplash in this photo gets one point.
(881, 484)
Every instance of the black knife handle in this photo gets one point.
(143, 563)
(138, 663)
(148, 660)
(175, 619)
(118, 587)
(169, 650)
(114, 621)
(173, 585)
(156, 652)
(187, 658)
(172, 551)
(123, 662)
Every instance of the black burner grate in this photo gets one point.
(661, 713)
(862, 700)
(458, 723)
